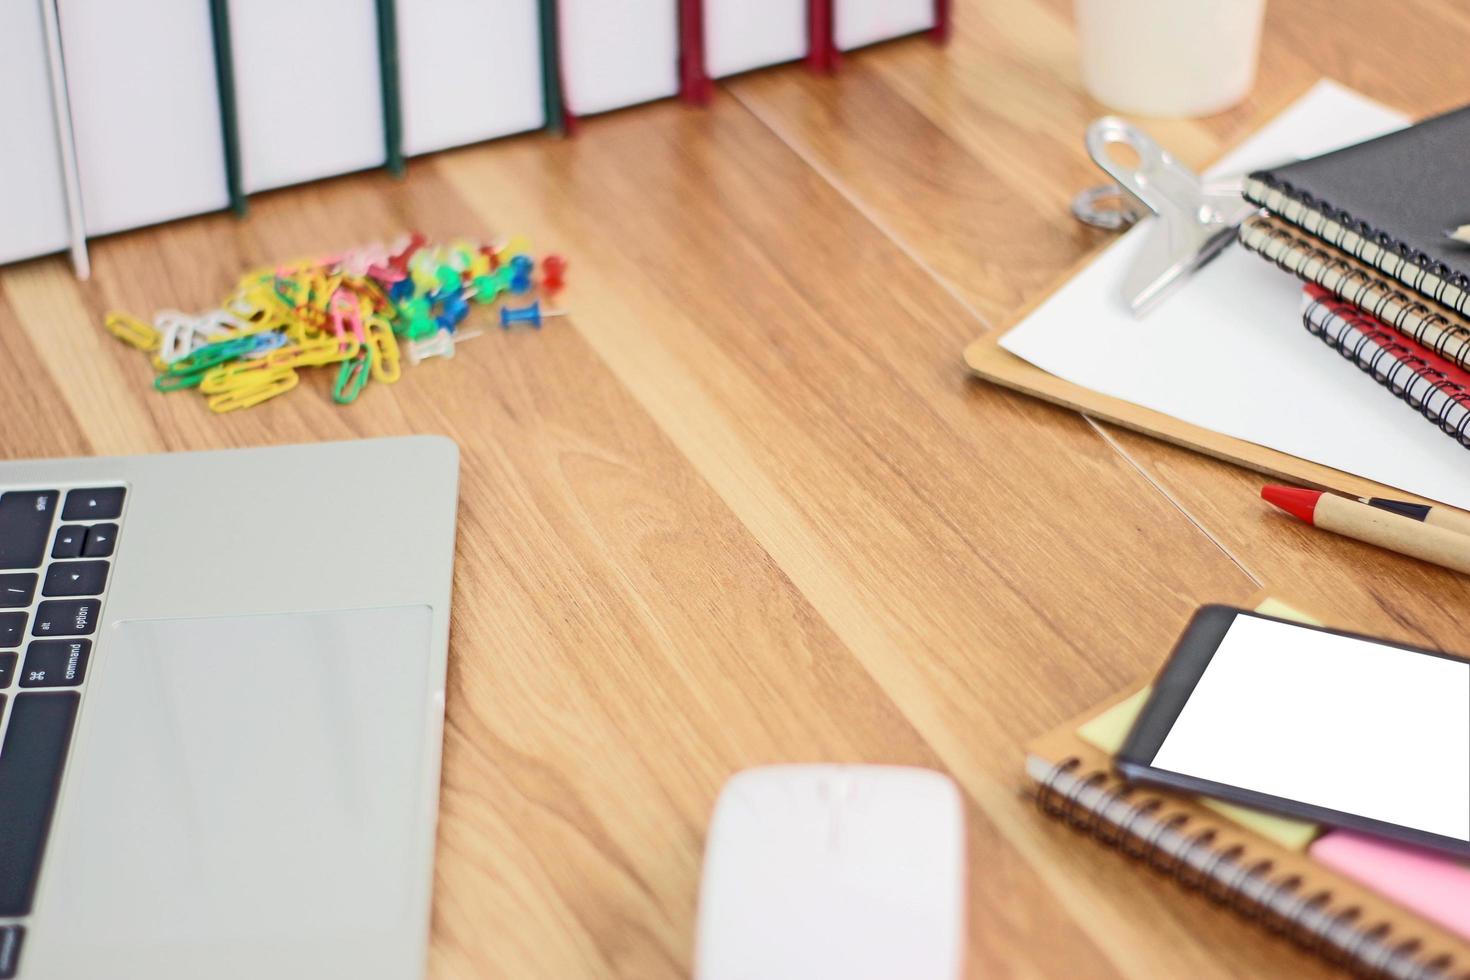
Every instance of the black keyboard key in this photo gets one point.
(30, 774)
(101, 539)
(17, 589)
(11, 938)
(69, 541)
(75, 578)
(7, 668)
(25, 523)
(96, 504)
(12, 628)
(66, 617)
(55, 663)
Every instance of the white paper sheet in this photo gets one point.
(859, 22)
(1227, 351)
(617, 53)
(479, 80)
(743, 34)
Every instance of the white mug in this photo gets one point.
(1177, 58)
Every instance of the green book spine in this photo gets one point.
(392, 107)
(229, 117)
(551, 69)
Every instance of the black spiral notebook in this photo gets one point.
(1387, 202)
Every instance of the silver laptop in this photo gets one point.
(221, 710)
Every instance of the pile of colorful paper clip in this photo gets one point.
(351, 310)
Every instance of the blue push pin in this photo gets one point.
(401, 290)
(532, 314)
(521, 267)
(452, 311)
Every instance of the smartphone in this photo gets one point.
(1330, 727)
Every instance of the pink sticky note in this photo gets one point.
(1432, 885)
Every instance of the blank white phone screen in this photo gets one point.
(1337, 722)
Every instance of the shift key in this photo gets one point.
(75, 578)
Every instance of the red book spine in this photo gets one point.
(821, 52)
(940, 31)
(695, 86)
(568, 120)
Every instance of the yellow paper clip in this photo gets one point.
(271, 384)
(383, 349)
(237, 375)
(133, 332)
(326, 350)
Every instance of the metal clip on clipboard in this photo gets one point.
(1196, 218)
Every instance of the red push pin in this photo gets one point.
(399, 262)
(553, 271)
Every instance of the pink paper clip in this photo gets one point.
(345, 316)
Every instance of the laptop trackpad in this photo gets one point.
(246, 798)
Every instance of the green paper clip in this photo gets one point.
(352, 377)
(172, 380)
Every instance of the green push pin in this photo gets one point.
(448, 278)
(484, 289)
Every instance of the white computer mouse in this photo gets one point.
(833, 871)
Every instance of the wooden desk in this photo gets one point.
(745, 507)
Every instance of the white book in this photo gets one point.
(33, 219)
(468, 70)
(740, 35)
(144, 109)
(308, 89)
(617, 53)
(856, 23)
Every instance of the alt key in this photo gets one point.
(66, 617)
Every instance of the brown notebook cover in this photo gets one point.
(1283, 889)
(1422, 320)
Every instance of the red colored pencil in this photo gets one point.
(1374, 526)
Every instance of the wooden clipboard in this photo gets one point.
(992, 362)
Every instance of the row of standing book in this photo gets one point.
(115, 118)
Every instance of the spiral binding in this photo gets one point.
(1312, 920)
(1332, 272)
(1337, 226)
(1384, 356)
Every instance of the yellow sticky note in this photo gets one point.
(1279, 609)
(1108, 730)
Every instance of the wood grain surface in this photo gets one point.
(745, 506)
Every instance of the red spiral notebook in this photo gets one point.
(1434, 386)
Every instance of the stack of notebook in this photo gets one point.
(1380, 908)
(1366, 227)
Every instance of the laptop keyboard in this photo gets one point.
(54, 564)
